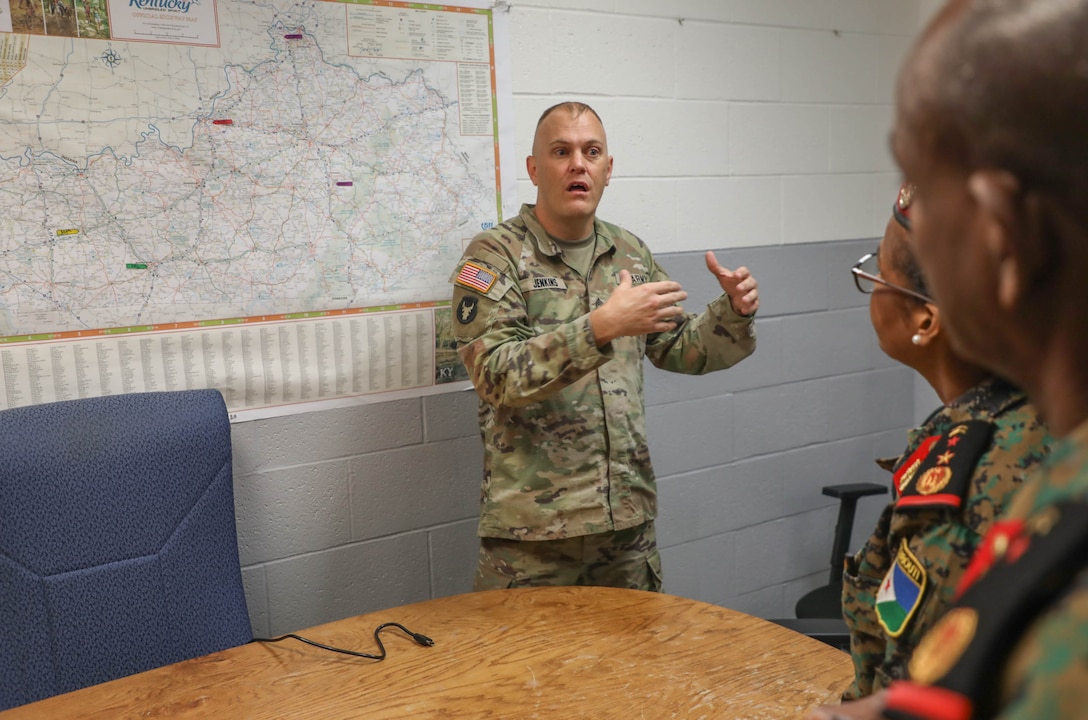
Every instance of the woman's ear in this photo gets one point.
(927, 323)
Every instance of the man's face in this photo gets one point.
(570, 167)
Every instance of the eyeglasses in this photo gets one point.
(867, 273)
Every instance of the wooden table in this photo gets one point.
(548, 653)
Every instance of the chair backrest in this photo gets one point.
(826, 600)
(118, 549)
(819, 611)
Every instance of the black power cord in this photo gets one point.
(418, 637)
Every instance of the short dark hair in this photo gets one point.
(902, 259)
(574, 107)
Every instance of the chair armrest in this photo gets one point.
(853, 491)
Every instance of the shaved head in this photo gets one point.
(1003, 84)
(573, 108)
(991, 118)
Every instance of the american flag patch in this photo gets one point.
(475, 277)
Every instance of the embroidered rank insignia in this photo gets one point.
(909, 467)
(901, 592)
(475, 277)
(939, 473)
(934, 480)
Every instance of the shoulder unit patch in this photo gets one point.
(466, 309)
(901, 592)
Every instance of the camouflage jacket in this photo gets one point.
(1015, 644)
(563, 423)
(905, 575)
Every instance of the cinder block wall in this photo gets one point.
(756, 128)
(743, 454)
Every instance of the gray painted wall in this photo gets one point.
(364, 508)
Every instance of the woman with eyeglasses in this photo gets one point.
(958, 473)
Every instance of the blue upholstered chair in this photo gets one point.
(118, 550)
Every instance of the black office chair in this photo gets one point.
(819, 611)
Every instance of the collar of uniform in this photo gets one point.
(548, 246)
(990, 398)
(1065, 472)
(544, 242)
(993, 396)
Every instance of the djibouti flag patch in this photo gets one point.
(901, 592)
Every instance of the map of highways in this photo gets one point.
(306, 163)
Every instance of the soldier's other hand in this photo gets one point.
(742, 288)
(868, 708)
(638, 309)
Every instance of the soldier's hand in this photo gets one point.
(638, 309)
(868, 708)
(739, 284)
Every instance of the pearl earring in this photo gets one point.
(916, 339)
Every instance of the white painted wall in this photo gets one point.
(734, 123)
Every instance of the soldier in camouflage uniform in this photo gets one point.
(992, 105)
(957, 475)
(553, 312)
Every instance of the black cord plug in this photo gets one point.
(420, 639)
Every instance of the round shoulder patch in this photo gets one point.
(943, 645)
(466, 309)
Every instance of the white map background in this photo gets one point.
(116, 140)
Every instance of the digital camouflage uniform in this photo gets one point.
(1015, 644)
(562, 422)
(959, 472)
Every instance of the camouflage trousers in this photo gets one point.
(625, 558)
